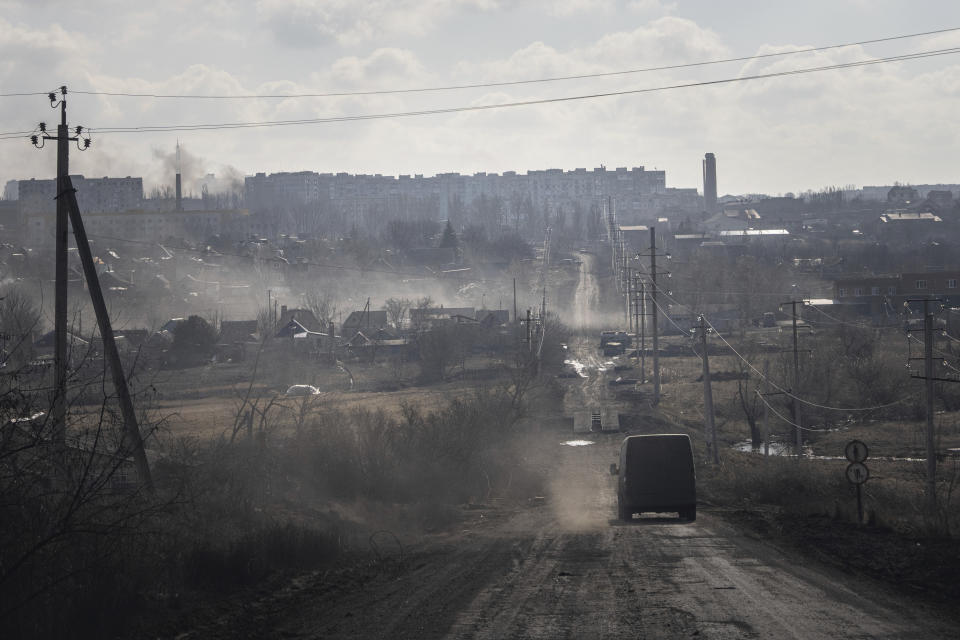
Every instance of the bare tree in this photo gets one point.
(396, 310)
(418, 320)
(321, 304)
(748, 397)
(19, 320)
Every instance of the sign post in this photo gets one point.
(857, 472)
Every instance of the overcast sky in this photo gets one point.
(868, 125)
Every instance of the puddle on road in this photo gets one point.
(609, 364)
(577, 443)
(577, 366)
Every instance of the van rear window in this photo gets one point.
(658, 454)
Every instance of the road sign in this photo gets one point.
(857, 473)
(856, 451)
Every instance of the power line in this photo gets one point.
(502, 105)
(23, 93)
(944, 356)
(783, 417)
(775, 385)
(785, 392)
(14, 134)
(849, 324)
(667, 315)
(506, 83)
(521, 103)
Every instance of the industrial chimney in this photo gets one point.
(178, 187)
(710, 183)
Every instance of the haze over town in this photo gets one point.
(479, 319)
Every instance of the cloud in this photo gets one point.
(573, 7)
(568, 8)
(382, 66)
(667, 40)
(651, 6)
(863, 125)
(26, 49)
(318, 23)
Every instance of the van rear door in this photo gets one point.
(659, 472)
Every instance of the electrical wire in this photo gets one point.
(775, 385)
(502, 105)
(17, 94)
(15, 134)
(507, 83)
(669, 319)
(849, 324)
(782, 417)
(785, 392)
(520, 103)
(731, 293)
(943, 356)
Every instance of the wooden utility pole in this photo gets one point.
(654, 314)
(710, 427)
(766, 409)
(795, 402)
(931, 489)
(643, 334)
(527, 322)
(639, 322)
(929, 378)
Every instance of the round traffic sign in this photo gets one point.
(856, 451)
(857, 472)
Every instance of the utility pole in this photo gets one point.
(527, 321)
(131, 428)
(766, 409)
(654, 314)
(929, 378)
(643, 333)
(795, 402)
(630, 301)
(515, 300)
(67, 208)
(63, 138)
(928, 374)
(710, 426)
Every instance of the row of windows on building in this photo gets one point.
(858, 292)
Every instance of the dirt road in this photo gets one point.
(586, 297)
(565, 568)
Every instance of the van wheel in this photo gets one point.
(689, 514)
(623, 513)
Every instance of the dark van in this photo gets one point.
(656, 474)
